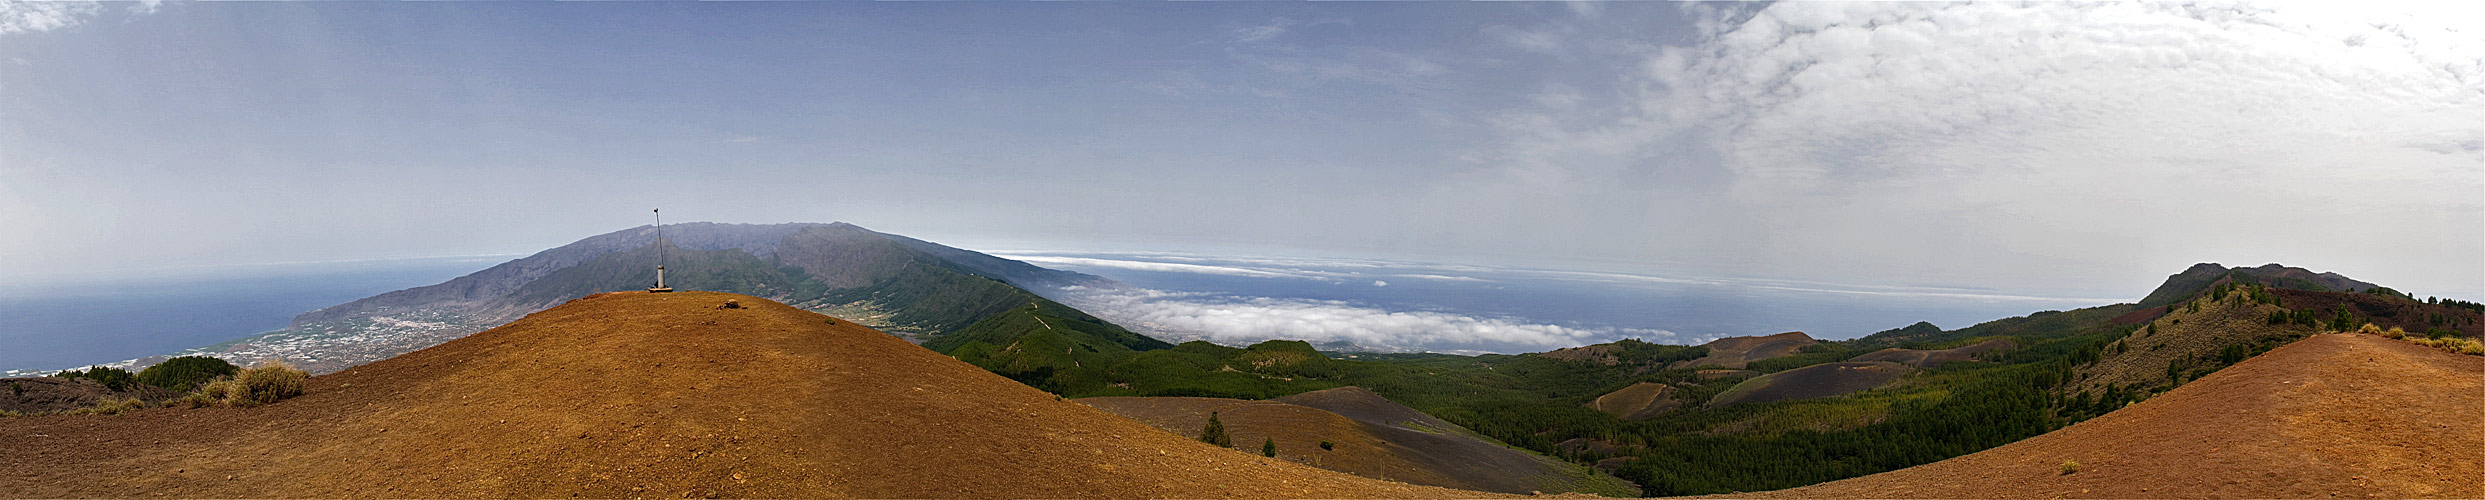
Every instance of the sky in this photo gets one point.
(2048, 149)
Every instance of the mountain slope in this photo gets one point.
(1369, 436)
(636, 394)
(897, 284)
(2197, 278)
(2338, 415)
(1735, 352)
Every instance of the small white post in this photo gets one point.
(660, 288)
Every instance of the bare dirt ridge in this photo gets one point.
(652, 395)
(1639, 401)
(1735, 352)
(2330, 416)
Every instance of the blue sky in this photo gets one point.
(2067, 149)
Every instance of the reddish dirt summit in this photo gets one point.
(668, 395)
(2330, 416)
(653, 395)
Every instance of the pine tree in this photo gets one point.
(1215, 433)
(1268, 447)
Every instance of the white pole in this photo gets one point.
(660, 254)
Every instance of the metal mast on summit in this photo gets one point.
(659, 288)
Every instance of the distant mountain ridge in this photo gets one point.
(839, 255)
(902, 285)
(2200, 276)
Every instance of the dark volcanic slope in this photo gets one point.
(1816, 381)
(2200, 276)
(1372, 437)
(2331, 416)
(651, 395)
(1937, 357)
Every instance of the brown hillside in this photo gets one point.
(2331, 416)
(1734, 352)
(651, 395)
(1641, 400)
(1933, 358)
(2186, 339)
(1386, 446)
(1816, 381)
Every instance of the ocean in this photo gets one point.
(74, 324)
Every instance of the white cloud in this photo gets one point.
(2052, 140)
(1379, 283)
(1246, 320)
(1169, 267)
(21, 16)
(1528, 40)
(1260, 33)
(1444, 277)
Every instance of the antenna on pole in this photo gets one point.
(659, 288)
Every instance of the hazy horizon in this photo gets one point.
(2064, 149)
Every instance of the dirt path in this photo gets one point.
(652, 395)
(2332, 416)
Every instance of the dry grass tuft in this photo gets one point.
(2461, 345)
(112, 406)
(258, 385)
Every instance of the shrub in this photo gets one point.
(2070, 467)
(263, 384)
(1214, 433)
(1325, 445)
(112, 378)
(273, 381)
(2453, 344)
(1268, 447)
(186, 372)
(112, 406)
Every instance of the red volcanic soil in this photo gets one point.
(652, 395)
(2331, 416)
(2141, 316)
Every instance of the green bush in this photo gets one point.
(1268, 447)
(112, 378)
(186, 373)
(1215, 433)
